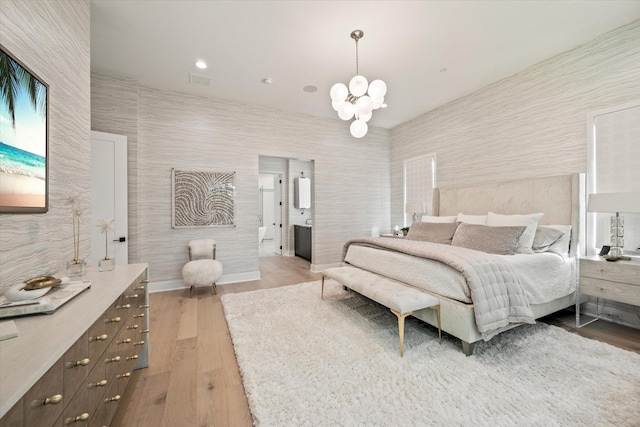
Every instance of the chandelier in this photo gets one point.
(360, 99)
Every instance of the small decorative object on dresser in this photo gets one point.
(618, 281)
(106, 264)
(76, 267)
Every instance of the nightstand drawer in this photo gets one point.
(619, 271)
(615, 291)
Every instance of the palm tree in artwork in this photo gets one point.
(13, 79)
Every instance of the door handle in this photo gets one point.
(120, 239)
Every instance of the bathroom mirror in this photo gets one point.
(302, 193)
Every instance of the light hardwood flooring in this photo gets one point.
(193, 377)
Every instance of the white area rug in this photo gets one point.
(306, 361)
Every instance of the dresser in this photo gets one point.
(617, 281)
(72, 367)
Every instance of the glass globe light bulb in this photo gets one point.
(338, 92)
(346, 111)
(377, 89)
(358, 85)
(364, 105)
(336, 104)
(377, 102)
(365, 117)
(358, 128)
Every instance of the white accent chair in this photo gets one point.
(202, 269)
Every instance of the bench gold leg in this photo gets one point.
(401, 328)
(437, 309)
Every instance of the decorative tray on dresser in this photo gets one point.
(72, 366)
(616, 281)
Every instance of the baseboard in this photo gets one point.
(172, 285)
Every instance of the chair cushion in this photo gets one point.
(201, 248)
(201, 272)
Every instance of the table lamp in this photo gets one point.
(414, 208)
(615, 202)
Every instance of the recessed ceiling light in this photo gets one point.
(267, 80)
(443, 70)
(201, 64)
(310, 89)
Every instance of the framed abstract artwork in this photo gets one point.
(24, 138)
(202, 199)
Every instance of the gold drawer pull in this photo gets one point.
(112, 399)
(102, 337)
(98, 384)
(144, 306)
(139, 288)
(79, 418)
(132, 327)
(125, 306)
(113, 359)
(114, 320)
(603, 290)
(138, 315)
(53, 400)
(144, 281)
(144, 331)
(131, 357)
(83, 362)
(139, 343)
(132, 296)
(124, 341)
(125, 375)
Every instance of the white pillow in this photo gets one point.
(472, 219)
(562, 245)
(530, 221)
(429, 218)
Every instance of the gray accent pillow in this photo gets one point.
(436, 232)
(486, 238)
(545, 238)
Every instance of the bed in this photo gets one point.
(483, 294)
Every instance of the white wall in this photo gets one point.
(530, 124)
(185, 131)
(52, 39)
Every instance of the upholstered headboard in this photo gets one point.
(561, 199)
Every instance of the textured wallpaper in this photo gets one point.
(175, 130)
(530, 124)
(51, 38)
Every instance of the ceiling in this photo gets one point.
(428, 52)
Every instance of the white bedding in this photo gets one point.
(544, 276)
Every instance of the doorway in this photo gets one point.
(270, 214)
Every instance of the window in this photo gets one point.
(419, 182)
(613, 166)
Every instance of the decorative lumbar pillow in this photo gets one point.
(472, 219)
(430, 218)
(545, 238)
(493, 240)
(529, 221)
(432, 232)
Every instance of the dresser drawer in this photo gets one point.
(619, 271)
(615, 291)
(44, 402)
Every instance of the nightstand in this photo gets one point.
(615, 281)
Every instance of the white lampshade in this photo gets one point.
(358, 85)
(336, 105)
(359, 128)
(338, 92)
(614, 202)
(346, 111)
(377, 89)
(365, 117)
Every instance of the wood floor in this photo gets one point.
(193, 378)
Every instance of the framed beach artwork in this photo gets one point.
(203, 199)
(24, 138)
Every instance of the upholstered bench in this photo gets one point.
(401, 299)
